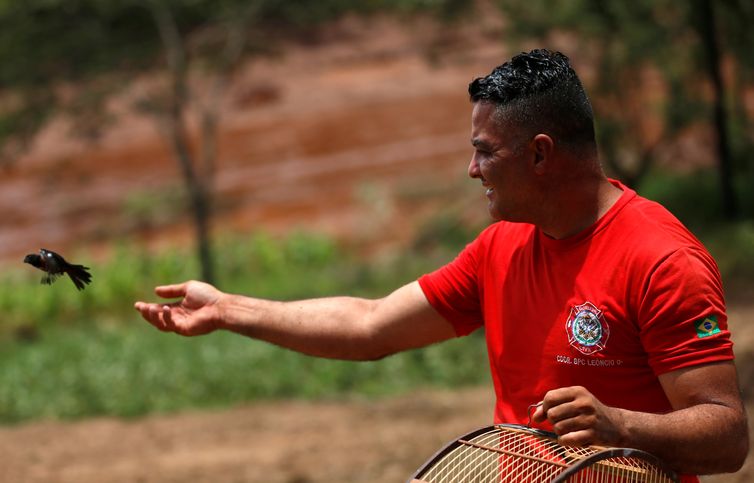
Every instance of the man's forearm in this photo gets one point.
(340, 327)
(702, 439)
(334, 327)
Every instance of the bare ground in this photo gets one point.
(382, 441)
(280, 442)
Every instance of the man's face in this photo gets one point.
(500, 162)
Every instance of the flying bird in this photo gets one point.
(55, 266)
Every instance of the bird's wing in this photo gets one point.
(50, 277)
(54, 263)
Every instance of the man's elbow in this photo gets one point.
(739, 452)
(373, 344)
(735, 453)
(374, 356)
(362, 345)
(373, 349)
(371, 340)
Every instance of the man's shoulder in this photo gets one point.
(653, 229)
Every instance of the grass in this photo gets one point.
(135, 370)
(68, 354)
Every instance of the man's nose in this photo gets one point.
(474, 168)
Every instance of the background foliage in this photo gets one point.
(72, 357)
(699, 51)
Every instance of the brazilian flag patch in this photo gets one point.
(707, 327)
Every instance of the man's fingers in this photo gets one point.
(153, 316)
(557, 403)
(159, 315)
(167, 318)
(171, 291)
(553, 413)
(571, 424)
(561, 395)
(583, 437)
(539, 415)
(563, 412)
(151, 313)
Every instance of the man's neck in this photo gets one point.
(575, 209)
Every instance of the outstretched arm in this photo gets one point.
(705, 433)
(335, 327)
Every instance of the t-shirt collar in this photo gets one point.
(586, 233)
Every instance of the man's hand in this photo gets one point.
(579, 418)
(196, 313)
(705, 433)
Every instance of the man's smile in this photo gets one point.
(490, 188)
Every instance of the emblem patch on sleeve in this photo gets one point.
(707, 327)
(586, 328)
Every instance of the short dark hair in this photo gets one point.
(540, 92)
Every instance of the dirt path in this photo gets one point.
(284, 442)
(355, 441)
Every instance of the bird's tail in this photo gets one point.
(79, 275)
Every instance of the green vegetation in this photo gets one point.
(683, 46)
(65, 354)
(131, 370)
(693, 199)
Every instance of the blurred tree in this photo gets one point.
(218, 49)
(51, 46)
(632, 44)
(44, 56)
(704, 22)
(67, 57)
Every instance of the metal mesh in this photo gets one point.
(619, 469)
(504, 454)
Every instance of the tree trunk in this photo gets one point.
(198, 187)
(199, 171)
(708, 33)
(199, 194)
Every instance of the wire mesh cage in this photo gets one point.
(511, 453)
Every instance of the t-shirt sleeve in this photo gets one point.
(682, 313)
(453, 290)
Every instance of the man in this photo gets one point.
(596, 303)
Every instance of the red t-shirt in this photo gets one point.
(633, 296)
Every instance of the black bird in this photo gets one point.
(55, 266)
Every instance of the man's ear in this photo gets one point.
(543, 147)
